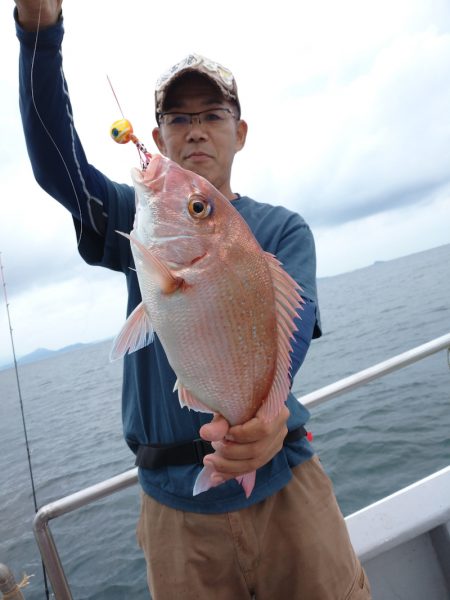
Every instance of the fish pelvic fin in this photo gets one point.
(156, 269)
(187, 399)
(136, 333)
(288, 302)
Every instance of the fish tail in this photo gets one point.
(205, 482)
(248, 482)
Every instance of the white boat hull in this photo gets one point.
(403, 541)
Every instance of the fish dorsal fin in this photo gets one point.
(187, 399)
(136, 333)
(287, 303)
(157, 270)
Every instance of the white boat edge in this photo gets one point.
(404, 515)
(403, 541)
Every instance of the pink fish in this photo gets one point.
(222, 308)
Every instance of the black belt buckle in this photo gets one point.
(295, 434)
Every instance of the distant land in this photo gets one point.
(43, 353)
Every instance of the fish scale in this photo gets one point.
(215, 328)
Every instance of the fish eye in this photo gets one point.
(198, 206)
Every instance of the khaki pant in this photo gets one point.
(292, 546)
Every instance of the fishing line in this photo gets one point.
(22, 410)
(118, 103)
(45, 127)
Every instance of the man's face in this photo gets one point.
(208, 151)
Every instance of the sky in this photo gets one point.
(348, 109)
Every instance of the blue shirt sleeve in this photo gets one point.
(97, 204)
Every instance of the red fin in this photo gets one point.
(287, 302)
(248, 482)
(204, 481)
(136, 333)
(158, 271)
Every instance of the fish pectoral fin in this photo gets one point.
(187, 399)
(287, 304)
(156, 269)
(136, 333)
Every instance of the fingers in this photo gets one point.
(256, 429)
(215, 430)
(248, 447)
(231, 460)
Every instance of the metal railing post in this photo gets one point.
(43, 535)
(379, 370)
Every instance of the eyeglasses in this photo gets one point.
(212, 118)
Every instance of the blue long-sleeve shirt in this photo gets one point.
(151, 411)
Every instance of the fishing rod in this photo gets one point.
(21, 409)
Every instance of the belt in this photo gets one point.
(155, 456)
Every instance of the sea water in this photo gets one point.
(372, 441)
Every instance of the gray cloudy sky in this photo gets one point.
(348, 108)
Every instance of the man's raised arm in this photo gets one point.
(56, 154)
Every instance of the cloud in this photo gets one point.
(37, 238)
(89, 306)
(362, 146)
(382, 236)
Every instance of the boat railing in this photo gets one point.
(72, 502)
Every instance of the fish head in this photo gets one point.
(179, 214)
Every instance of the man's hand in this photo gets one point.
(29, 13)
(243, 448)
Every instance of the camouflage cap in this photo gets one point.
(195, 63)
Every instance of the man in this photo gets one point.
(288, 539)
